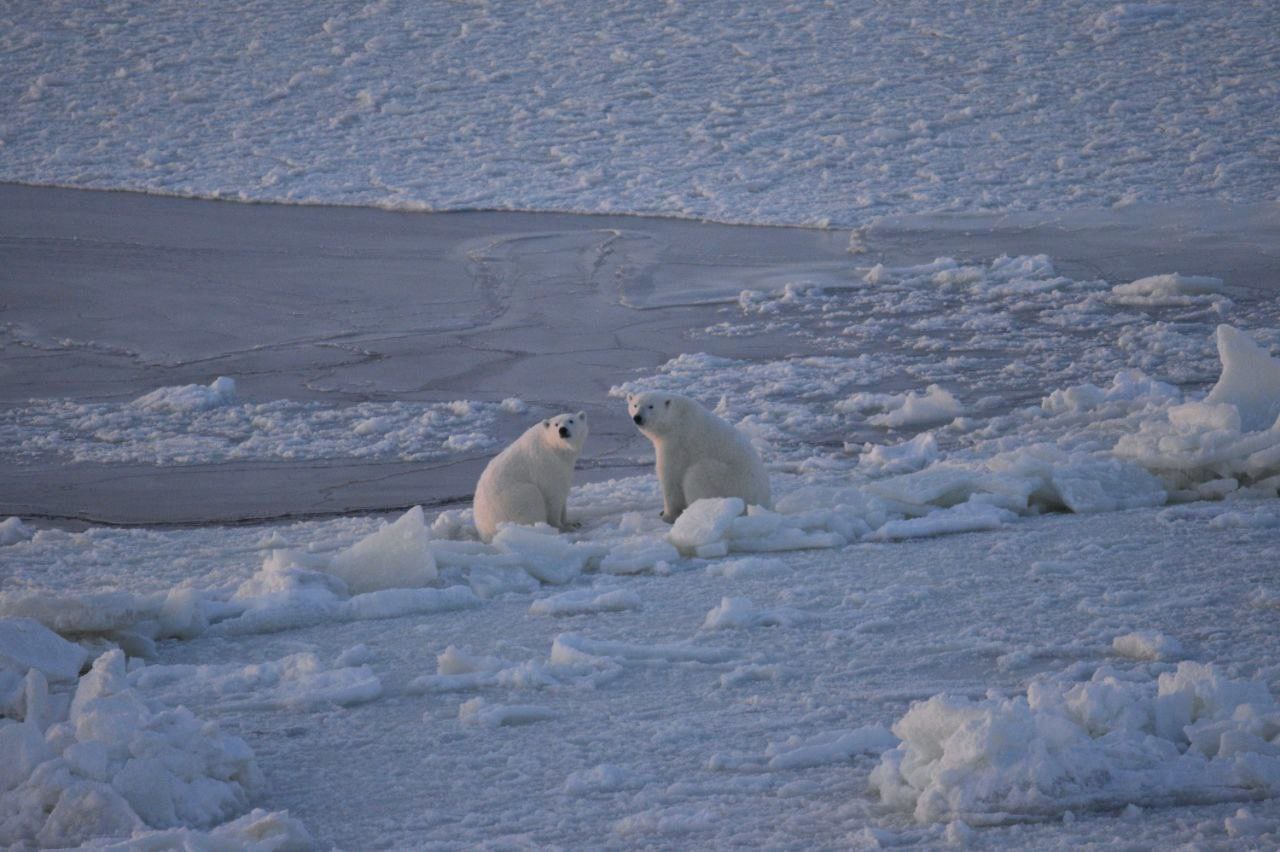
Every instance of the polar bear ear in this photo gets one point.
(582, 415)
(630, 397)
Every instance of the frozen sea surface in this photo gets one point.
(1019, 590)
(800, 113)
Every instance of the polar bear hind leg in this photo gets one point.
(520, 504)
(710, 478)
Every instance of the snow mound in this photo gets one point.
(396, 556)
(109, 765)
(1191, 736)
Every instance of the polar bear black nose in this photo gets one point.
(639, 420)
(564, 432)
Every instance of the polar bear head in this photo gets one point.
(656, 413)
(565, 432)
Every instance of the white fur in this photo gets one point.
(528, 482)
(698, 454)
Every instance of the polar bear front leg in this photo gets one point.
(671, 478)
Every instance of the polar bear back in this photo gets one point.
(719, 461)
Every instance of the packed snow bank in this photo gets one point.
(107, 764)
(1189, 736)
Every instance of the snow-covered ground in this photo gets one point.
(796, 113)
(1020, 584)
(915, 646)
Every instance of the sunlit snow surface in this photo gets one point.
(732, 679)
(1019, 586)
(766, 113)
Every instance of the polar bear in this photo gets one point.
(528, 482)
(698, 454)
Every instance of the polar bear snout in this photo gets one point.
(639, 420)
(564, 432)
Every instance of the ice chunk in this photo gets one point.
(1250, 380)
(919, 452)
(637, 554)
(967, 517)
(705, 523)
(123, 767)
(13, 530)
(1173, 289)
(190, 398)
(28, 644)
(542, 552)
(583, 601)
(1105, 485)
(479, 712)
(741, 612)
(605, 778)
(396, 556)
(903, 409)
(1146, 645)
(830, 748)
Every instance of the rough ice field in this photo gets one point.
(982, 610)
(803, 113)
(196, 424)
